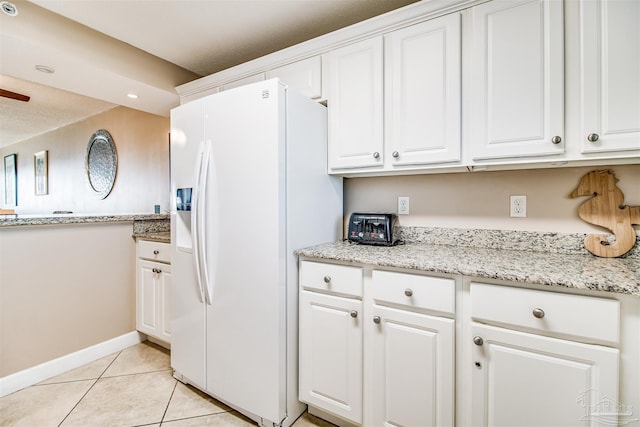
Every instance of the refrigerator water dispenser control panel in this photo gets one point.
(183, 199)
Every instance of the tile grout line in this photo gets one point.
(90, 388)
(135, 373)
(164, 414)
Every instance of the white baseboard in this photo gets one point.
(39, 373)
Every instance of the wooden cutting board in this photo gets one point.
(606, 209)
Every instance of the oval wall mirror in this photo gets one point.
(101, 163)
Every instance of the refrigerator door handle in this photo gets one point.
(195, 218)
(202, 226)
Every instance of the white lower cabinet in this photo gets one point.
(330, 343)
(405, 376)
(153, 284)
(412, 375)
(535, 378)
(395, 348)
(530, 380)
(331, 354)
(410, 349)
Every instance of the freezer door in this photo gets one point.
(245, 249)
(187, 309)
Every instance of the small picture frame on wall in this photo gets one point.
(40, 167)
(11, 180)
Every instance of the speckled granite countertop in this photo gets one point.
(57, 219)
(160, 236)
(620, 275)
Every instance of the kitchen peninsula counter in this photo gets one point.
(60, 219)
(574, 270)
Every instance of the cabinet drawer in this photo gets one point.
(331, 278)
(155, 251)
(575, 316)
(414, 291)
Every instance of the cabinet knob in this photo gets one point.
(556, 139)
(395, 154)
(376, 319)
(376, 155)
(327, 279)
(593, 137)
(538, 313)
(156, 252)
(408, 292)
(354, 313)
(478, 340)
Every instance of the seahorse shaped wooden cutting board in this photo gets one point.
(606, 209)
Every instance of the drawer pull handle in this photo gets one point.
(538, 313)
(327, 279)
(593, 137)
(556, 140)
(156, 252)
(157, 270)
(408, 292)
(354, 314)
(376, 319)
(478, 340)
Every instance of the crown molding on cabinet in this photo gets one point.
(406, 16)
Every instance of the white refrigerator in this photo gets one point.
(250, 186)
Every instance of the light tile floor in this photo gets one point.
(133, 387)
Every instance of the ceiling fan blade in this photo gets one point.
(14, 95)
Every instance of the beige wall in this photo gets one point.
(63, 288)
(142, 180)
(481, 199)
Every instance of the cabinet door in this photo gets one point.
(153, 300)
(516, 84)
(610, 35)
(412, 369)
(355, 105)
(530, 380)
(164, 290)
(303, 76)
(148, 308)
(331, 354)
(422, 72)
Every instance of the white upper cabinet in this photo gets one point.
(422, 81)
(610, 70)
(303, 76)
(453, 85)
(516, 83)
(355, 105)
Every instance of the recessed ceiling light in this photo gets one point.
(9, 8)
(45, 69)
(132, 95)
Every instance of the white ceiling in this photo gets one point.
(105, 49)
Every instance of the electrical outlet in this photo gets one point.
(518, 206)
(403, 205)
